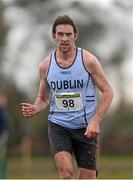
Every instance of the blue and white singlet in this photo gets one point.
(73, 93)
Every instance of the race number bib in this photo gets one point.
(69, 101)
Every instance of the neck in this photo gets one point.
(66, 55)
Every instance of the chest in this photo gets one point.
(65, 63)
(67, 79)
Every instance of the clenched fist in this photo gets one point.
(28, 110)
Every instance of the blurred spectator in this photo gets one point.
(4, 134)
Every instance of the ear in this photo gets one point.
(53, 35)
(76, 35)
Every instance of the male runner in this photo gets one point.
(68, 80)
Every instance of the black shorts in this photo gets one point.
(74, 141)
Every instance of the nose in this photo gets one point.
(64, 38)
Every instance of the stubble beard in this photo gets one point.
(66, 49)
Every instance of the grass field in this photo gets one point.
(110, 167)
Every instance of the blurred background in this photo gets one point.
(106, 30)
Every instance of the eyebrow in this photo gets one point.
(69, 33)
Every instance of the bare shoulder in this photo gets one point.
(90, 61)
(44, 65)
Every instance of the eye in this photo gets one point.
(68, 34)
(60, 34)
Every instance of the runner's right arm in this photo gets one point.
(43, 96)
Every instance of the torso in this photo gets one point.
(73, 99)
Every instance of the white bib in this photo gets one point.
(71, 101)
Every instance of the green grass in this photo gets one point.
(116, 167)
(110, 167)
(31, 168)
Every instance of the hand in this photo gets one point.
(28, 110)
(92, 129)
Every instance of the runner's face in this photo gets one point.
(65, 37)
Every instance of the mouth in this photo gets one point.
(64, 45)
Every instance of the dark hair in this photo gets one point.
(63, 20)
